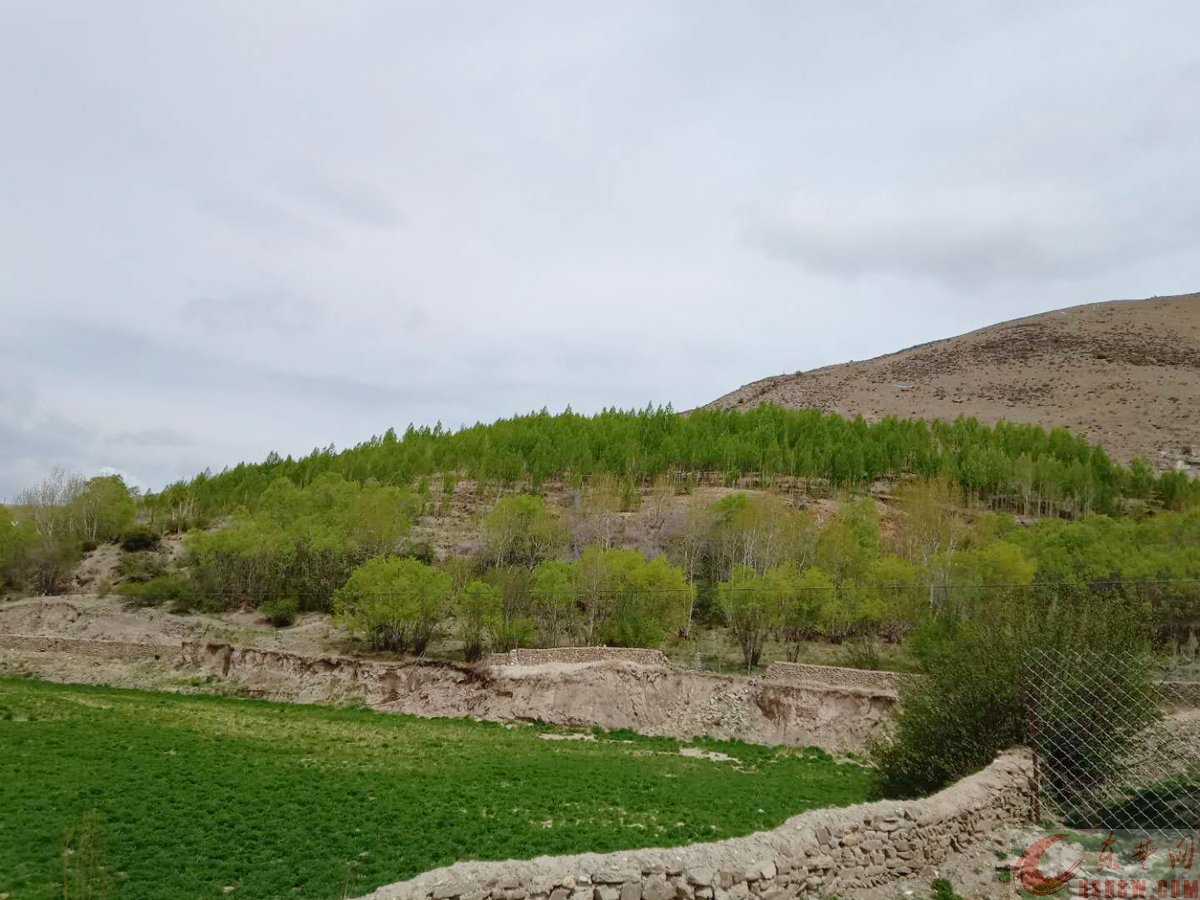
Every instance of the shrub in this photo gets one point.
(521, 531)
(280, 611)
(174, 588)
(397, 603)
(943, 889)
(864, 653)
(51, 564)
(509, 634)
(141, 566)
(972, 702)
(956, 719)
(139, 538)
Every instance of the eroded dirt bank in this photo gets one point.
(657, 700)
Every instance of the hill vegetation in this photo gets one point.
(334, 532)
(1020, 468)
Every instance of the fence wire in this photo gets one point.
(1114, 747)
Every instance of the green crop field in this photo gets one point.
(149, 795)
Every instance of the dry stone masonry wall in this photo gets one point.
(24, 643)
(572, 655)
(801, 673)
(822, 852)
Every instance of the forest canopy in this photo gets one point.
(1022, 469)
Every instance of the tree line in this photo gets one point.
(1023, 469)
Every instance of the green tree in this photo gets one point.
(802, 597)
(519, 530)
(18, 540)
(893, 596)
(103, 509)
(299, 542)
(399, 604)
(627, 600)
(850, 541)
(553, 601)
(751, 609)
(971, 704)
(478, 608)
(652, 600)
(760, 531)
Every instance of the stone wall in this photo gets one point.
(801, 673)
(823, 852)
(25, 643)
(569, 655)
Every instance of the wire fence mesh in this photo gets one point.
(1114, 746)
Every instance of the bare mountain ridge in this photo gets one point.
(1125, 374)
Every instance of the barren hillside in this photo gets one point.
(1125, 374)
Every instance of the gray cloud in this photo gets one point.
(277, 225)
(35, 439)
(253, 312)
(357, 203)
(155, 437)
(970, 237)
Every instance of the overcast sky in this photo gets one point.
(235, 227)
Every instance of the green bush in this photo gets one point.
(281, 611)
(943, 889)
(956, 719)
(397, 603)
(864, 653)
(139, 538)
(173, 588)
(1172, 804)
(972, 704)
(141, 566)
(509, 634)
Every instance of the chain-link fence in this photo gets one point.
(1114, 748)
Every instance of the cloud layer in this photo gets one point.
(273, 226)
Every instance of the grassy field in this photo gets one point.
(169, 796)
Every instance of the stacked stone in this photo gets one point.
(820, 852)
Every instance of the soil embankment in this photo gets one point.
(611, 694)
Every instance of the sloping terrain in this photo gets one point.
(1125, 374)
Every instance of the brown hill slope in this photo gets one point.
(1125, 374)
